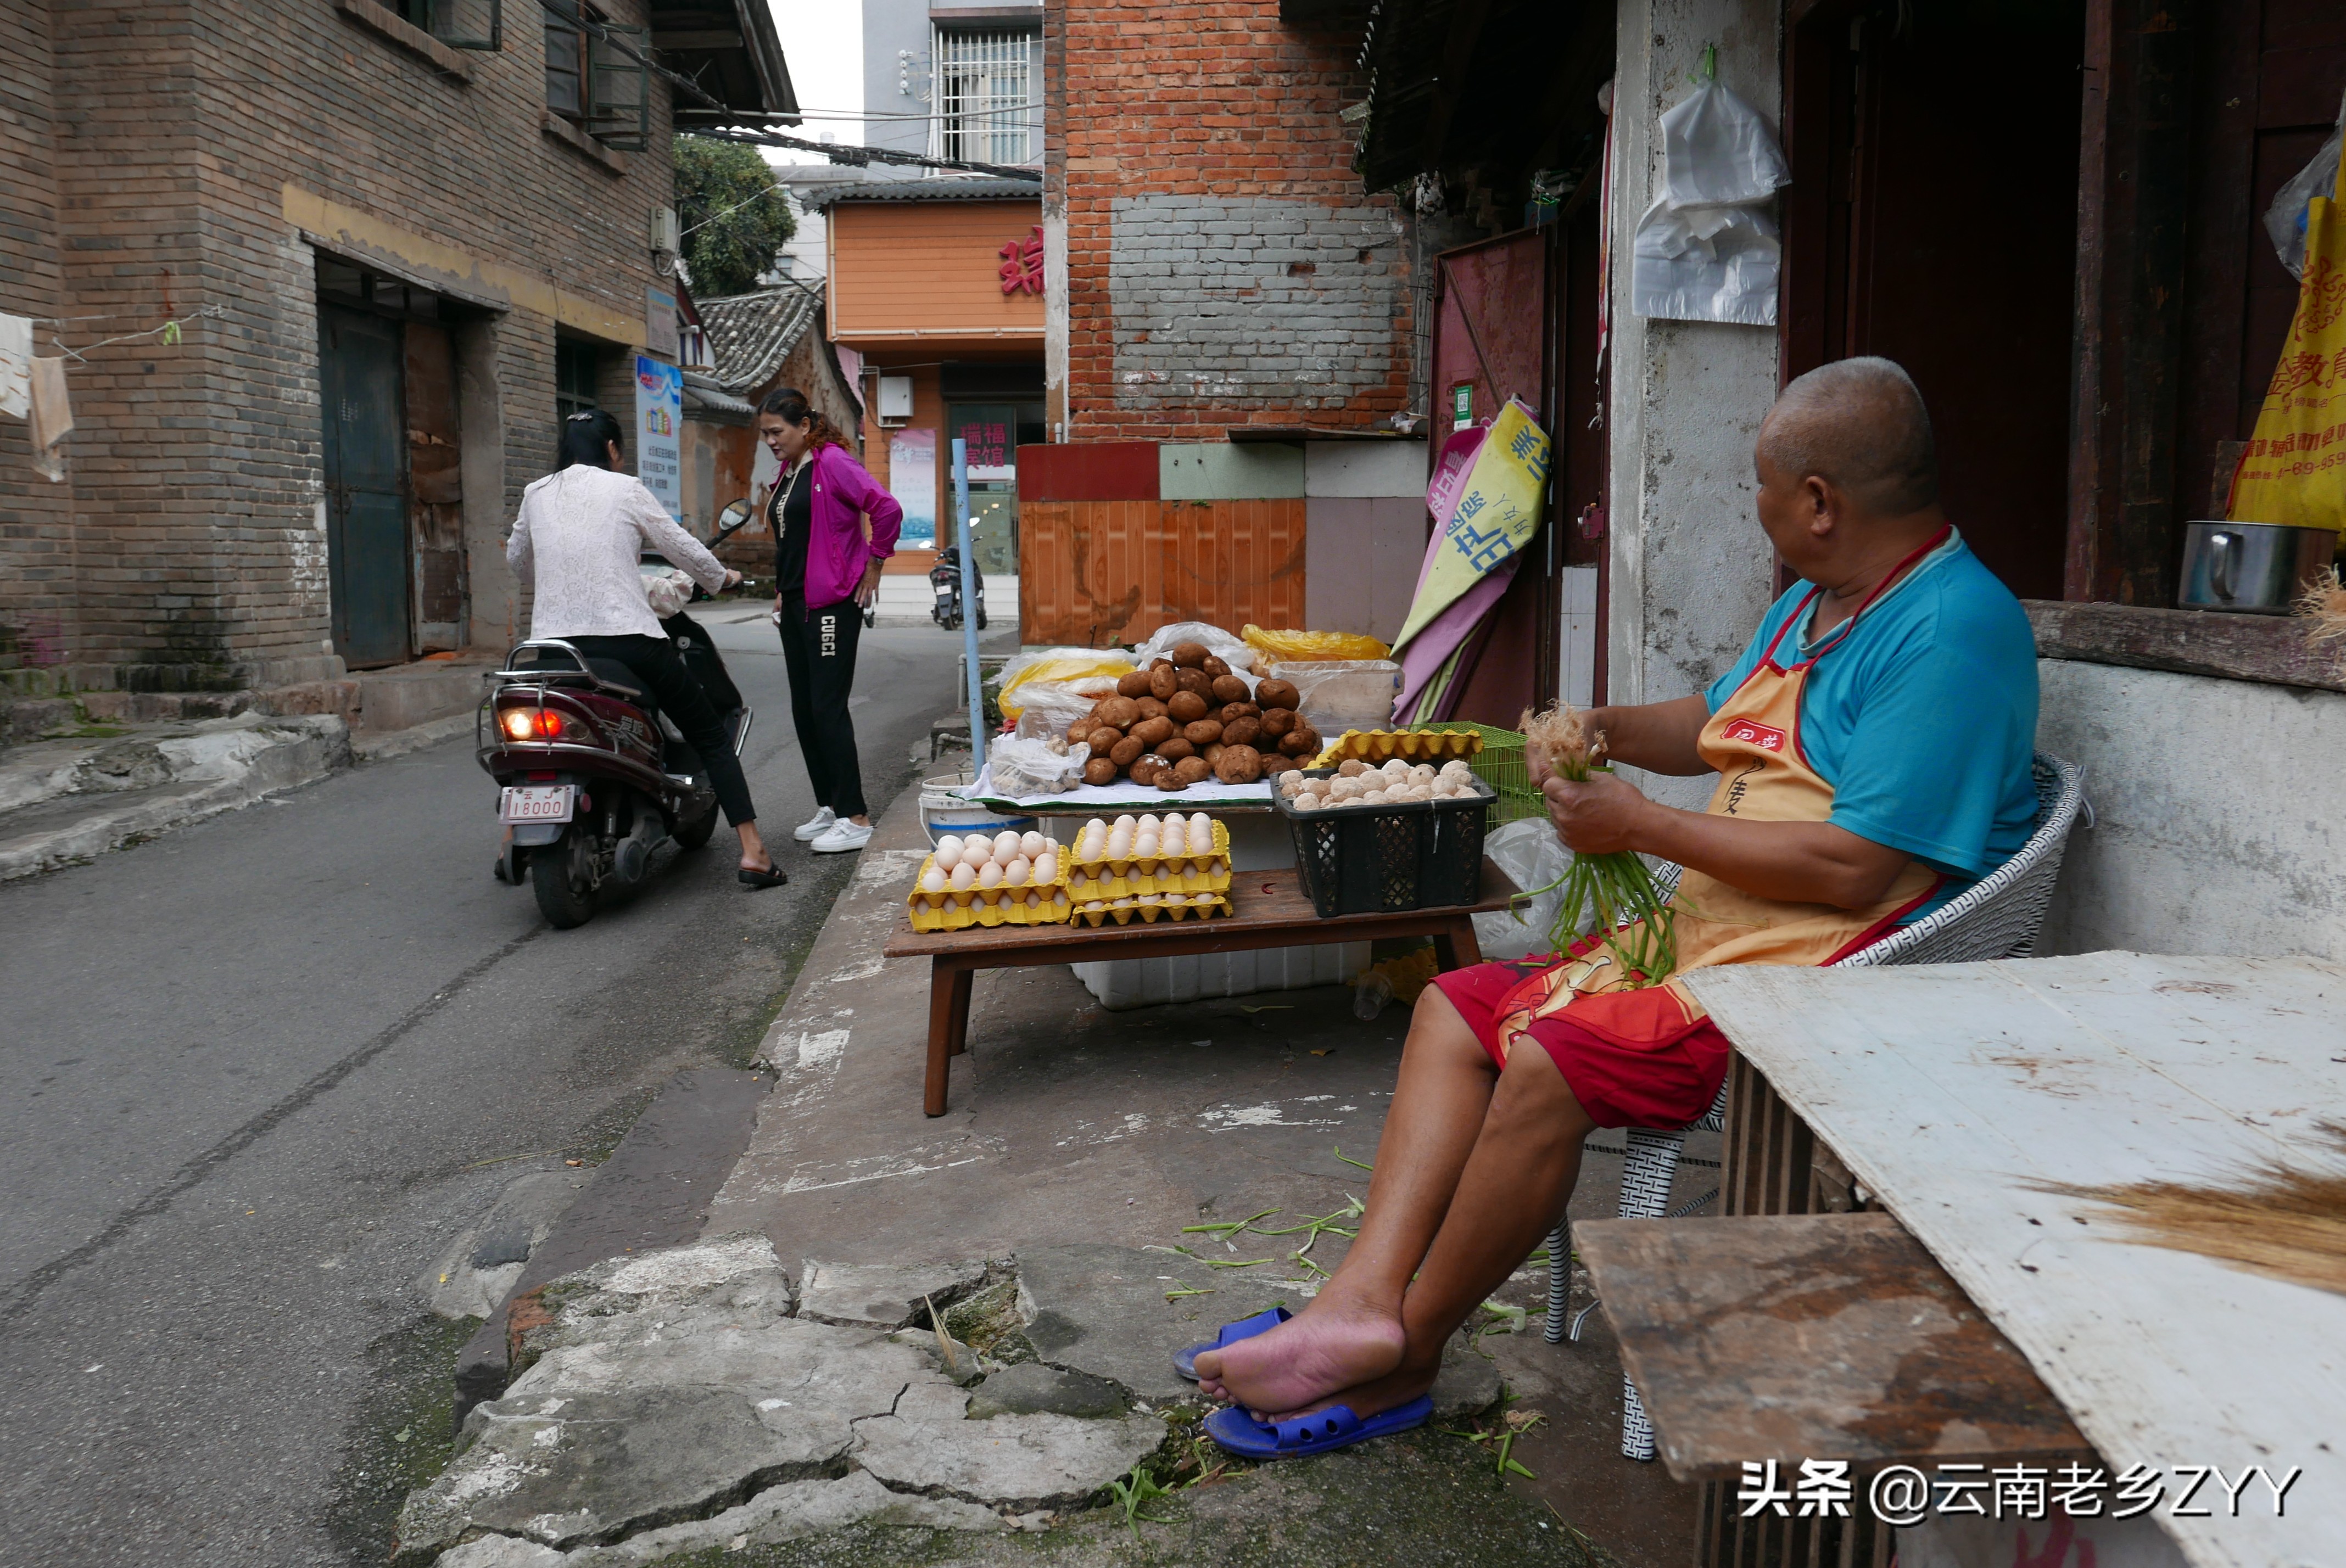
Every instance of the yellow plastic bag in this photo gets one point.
(1312, 647)
(1057, 665)
(2294, 471)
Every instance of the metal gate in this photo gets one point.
(359, 387)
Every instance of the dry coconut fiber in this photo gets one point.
(2282, 1220)
(2323, 608)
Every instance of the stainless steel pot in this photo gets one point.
(2259, 568)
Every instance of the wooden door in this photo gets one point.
(358, 376)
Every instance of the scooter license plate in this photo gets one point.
(535, 803)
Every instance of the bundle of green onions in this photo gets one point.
(1614, 895)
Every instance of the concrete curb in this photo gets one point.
(220, 767)
(400, 742)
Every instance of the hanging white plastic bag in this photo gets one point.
(2285, 218)
(1533, 857)
(1232, 651)
(1707, 250)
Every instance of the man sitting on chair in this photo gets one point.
(1873, 747)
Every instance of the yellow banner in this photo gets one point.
(1493, 514)
(2294, 471)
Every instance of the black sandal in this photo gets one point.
(773, 876)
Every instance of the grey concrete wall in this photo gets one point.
(896, 72)
(1691, 573)
(1252, 302)
(2219, 826)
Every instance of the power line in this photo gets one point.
(859, 157)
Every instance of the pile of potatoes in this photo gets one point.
(1357, 783)
(1186, 720)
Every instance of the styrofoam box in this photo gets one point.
(1124, 982)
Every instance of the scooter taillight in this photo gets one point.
(544, 723)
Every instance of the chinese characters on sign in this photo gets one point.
(1022, 264)
(1903, 1495)
(660, 422)
(988, 443)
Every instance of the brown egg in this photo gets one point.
(1203, 732)
(1238, 765)
(1185, 707)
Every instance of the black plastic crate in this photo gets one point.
(1373, 860)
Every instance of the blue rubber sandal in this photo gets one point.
(1319, 1432)
(1186, 1362)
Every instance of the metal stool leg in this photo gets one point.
(1650, 1165)
(1637, 1431)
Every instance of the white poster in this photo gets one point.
(912, 481)
(659, 425)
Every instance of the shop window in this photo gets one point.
(597, 74)
(575, 366)
(984, 95)
(459, 23)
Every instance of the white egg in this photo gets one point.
(1047, 867)
(949, 844)
(1202, 836)
(989, 876)
(1031, 844)
(1149, 821)
(1421, 774)
(934, 882)
(948, 854)
(1395, 768)
(1016, 872)
(964, 877)
(1125, 824)
(1145, 844)
(1005, 844)
(1096, 904)
(976, 852)
(1119, 845)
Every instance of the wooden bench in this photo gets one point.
(1267, 909)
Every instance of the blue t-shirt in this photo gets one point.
(1922, 717)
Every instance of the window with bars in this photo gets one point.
(984, 98)
(596, 75)
(459, 23)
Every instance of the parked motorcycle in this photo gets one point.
(944, 578)
(594, 781)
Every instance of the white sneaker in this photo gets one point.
(841, 836)
(816, 825)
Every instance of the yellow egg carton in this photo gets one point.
(1410, 745)
(1135, 875)
(959, 910)
(1149, 913)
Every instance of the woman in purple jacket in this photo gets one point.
(826, 572)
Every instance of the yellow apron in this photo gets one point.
(1764, 776)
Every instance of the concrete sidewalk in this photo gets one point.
(1042, 1222)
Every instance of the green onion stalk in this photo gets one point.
(1615, 895)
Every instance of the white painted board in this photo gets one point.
(1950, 1090)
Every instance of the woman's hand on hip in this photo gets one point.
(869, 589)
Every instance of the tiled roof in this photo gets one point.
(752, 334)
(980, 188)
(702, 391)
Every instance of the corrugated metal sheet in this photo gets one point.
(1093, 573)
(928, 272)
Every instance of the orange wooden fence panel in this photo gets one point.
(1091, 573)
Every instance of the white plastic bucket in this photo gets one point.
(943, 812)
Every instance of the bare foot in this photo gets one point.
(1330, 1346)
(1405, 1382)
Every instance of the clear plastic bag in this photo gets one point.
(1047, 708)
(1230, 651)
(1707, 250)
(1018, 768)
(1533, 857)
(2285, 218)
(1056, 666)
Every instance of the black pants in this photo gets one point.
(661, 668)
(819, 646)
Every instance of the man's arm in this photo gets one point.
(1799, 863)
(1659, 737)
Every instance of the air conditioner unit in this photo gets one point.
(895, 399)
(667, 238)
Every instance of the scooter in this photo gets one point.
(595, 782)
(944, 578)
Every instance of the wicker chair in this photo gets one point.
(1996, 918)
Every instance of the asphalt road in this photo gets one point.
(255, 1074)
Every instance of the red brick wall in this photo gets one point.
(1224, 264)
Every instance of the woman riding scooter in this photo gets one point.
(580, 531)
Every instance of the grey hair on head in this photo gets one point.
(1859, 424)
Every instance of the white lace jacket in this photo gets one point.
(576, 541)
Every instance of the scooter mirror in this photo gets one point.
(732, 520)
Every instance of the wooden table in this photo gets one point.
(1267, 909)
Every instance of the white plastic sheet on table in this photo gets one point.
(1707, 250)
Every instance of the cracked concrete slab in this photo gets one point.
(783, 1514)
(883, 1295)
(1031, 1387)
(1102, 1310)
(1018, 1462)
